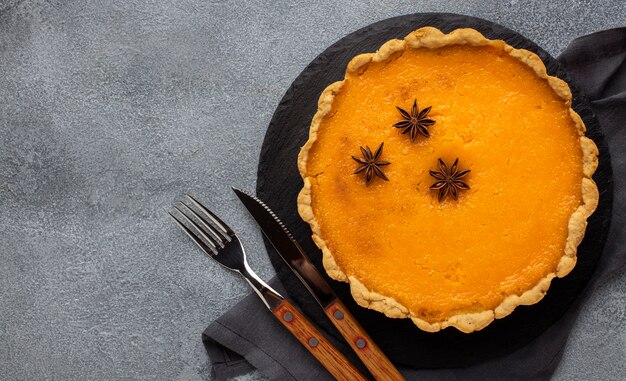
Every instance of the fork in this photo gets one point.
(218, 241)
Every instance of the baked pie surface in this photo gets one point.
(463, 262)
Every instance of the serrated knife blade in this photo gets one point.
(289, 249)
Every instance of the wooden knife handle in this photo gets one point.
(316, 343)
(374, 359)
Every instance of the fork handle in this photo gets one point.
(374, 359)
(316, 343)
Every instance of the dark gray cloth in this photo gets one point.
(248, 337)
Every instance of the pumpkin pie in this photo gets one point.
(447, 179)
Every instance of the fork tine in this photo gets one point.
(205, 248)
(219, 237)
(216, 220)
(213, 242)
(218, 244)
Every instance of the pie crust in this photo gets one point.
(432, 38)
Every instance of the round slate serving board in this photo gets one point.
(279, 183)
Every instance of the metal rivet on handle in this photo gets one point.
(338, 314)
(288, 316)
(360, 343)
(313, 342)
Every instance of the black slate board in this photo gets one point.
(279, 183)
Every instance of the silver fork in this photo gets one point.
(218, 241)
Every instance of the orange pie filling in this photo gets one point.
(441, 259)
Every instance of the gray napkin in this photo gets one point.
(237, 344)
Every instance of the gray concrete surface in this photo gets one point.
(110, 110)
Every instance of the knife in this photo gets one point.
(295, 257)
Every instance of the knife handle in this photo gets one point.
(316, 343)
(374, 359)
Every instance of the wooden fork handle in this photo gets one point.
(374, 359)
(316, 343)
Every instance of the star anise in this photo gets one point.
(449, 180)
(415, 122)
(370, 164)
